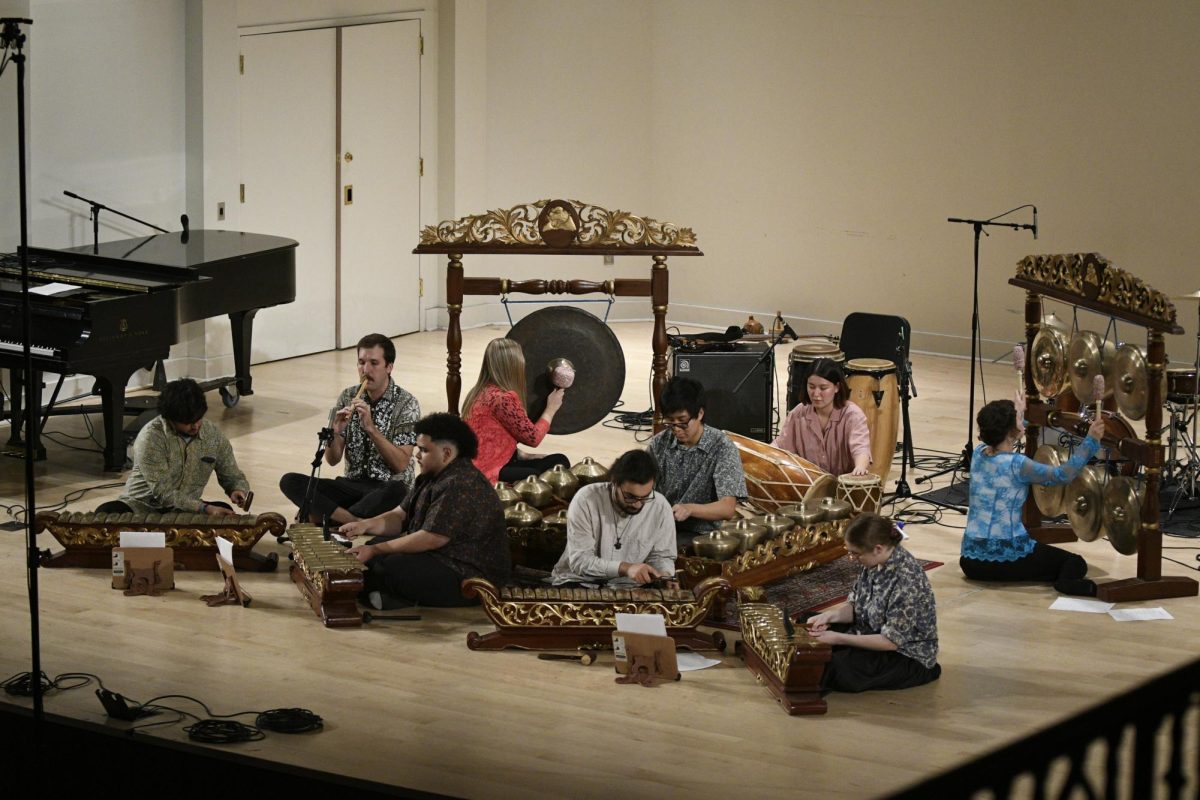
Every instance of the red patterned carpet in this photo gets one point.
(811, 591)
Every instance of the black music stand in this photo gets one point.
(964, 461)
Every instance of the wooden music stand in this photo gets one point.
(557, 227)
(1090, 281)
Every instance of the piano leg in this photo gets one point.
(242, 323)
(17, 421)
(112, 399)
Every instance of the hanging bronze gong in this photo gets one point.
(1048, 361)
(1049, 499)
(590, 345)
(1123, 514)
(1130, 383)
(1088, 356)
(1084, 500)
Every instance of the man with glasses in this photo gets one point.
(621, 532)
(702, 474)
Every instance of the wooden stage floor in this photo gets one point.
(407, 704)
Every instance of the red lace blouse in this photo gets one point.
(500, 423)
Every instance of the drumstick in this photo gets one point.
(1098, 392)
(1019, 366)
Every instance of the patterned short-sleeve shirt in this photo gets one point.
(393, 413)
(894, 598)
(703, 473)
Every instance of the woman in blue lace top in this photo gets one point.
(995, 545)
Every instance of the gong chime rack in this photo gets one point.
(1090, 281)
(556, 228)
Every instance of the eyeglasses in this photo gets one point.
(633, 499)
(678, 425)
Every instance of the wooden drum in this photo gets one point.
(800, 366)
(864, 493)
(874, 389)
(776, 478)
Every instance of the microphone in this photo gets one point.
(787, 331)
(183, 220)
(1035, 223)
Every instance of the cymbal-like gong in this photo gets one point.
(1050, 499)
(1048, 361)
(1130, 383)
(1088, 356)
(1123, 514)
(590, 345)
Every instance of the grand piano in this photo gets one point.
(123, 306)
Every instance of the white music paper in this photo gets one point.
(653, 624)
(225, 549)
(1080, 604)
(143, 539)
(51, 289)
(1139, 614)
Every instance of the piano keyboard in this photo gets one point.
(36, 349)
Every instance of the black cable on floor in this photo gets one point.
(289, 720)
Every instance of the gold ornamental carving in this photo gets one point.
(1092, 276)
(185, 530)
(558, 223)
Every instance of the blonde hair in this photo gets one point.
(503, 366)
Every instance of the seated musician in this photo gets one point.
(885, 635)
(995, 544)
(175, 455)
(374, 434)
(449, 528)
(620, 532)
(495, 410)
(827, 430)
(701, 471)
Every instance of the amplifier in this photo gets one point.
(751, 411)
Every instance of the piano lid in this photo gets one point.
(170, 252)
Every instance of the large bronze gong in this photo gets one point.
(590, 345)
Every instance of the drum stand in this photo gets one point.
(1186, 477)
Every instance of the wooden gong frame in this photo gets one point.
(529, 230)
(1089, 281)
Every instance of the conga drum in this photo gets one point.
(864, 493)
(874, 389)
(776, 478)
(800, 366)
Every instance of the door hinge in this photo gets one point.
(421, 287)
(241, 64)
(241, 192)
(421, 44)
(421, 167)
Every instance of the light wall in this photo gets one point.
(817, 148)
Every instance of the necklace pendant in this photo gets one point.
(616, 546)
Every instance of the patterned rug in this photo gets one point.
(801, 595)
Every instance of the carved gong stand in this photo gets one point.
(556, 227)
(1089, 281)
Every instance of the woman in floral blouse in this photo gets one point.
(495, 410)
(995, 545)
(885, 635)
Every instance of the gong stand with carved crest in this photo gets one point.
(1089, 281)
(556, 227)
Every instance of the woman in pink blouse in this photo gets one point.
(827, 430)
(495, 410)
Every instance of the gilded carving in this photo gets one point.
(184, 530)
(597, 227)
(1092, 275)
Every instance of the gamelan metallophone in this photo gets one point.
(329, 578)
(89, 537)
(564, 618)
(789, 665)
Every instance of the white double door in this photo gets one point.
(330, 154)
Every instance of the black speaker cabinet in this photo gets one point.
(750, 412)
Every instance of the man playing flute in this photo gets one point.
(372, 431)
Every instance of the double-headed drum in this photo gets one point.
(776, 478)
(864, 493)
(1181, 386)
(804, 354)
(874, 389)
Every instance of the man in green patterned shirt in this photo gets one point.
(176, 454)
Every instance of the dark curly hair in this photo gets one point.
(182, 401)
(444, 428)
(996, 420)
(636, 466)
(683, 394)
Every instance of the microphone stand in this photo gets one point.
(904, 367)
(97, 208)
(964, 461)
(768, 399)
(324, 437)
(12, 39)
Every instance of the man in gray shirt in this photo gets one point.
(619, 533)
